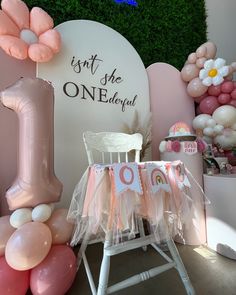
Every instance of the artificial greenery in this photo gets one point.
(160, 30)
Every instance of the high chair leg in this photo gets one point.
(105, 267)
(141, 231)
(180, 267)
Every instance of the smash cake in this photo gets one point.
(180, 131)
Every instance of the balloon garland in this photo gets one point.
(209, 83)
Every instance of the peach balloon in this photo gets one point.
(211, 50)
(195, 88)
(60, 228)
(6, 230)
(28, 246)
(33, 100)
(189, 72)
(200, 62)
(201, 51)
(192, 58)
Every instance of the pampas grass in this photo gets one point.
(138, 127)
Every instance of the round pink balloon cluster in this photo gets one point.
(194, 64)
(216, 96)
(35, 255)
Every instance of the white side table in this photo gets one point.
(221, 213)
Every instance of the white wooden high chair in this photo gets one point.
(116, 145)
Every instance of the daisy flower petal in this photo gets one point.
(18, 12)
(52, 39)
(40, 21)
(224, 71)
(14, 46)
(219, 63)
(207, 81)
(203, 74)
(209, 64)
(7, 26)
(40, 52)
(217, 80)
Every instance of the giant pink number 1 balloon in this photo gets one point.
(33, 101)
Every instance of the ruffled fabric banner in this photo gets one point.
(113, 199)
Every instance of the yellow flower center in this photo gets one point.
(212, 73)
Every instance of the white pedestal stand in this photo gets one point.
(220, 214)
(194, 232)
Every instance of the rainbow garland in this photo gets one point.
(127, 176)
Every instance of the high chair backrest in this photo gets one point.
(113, 147)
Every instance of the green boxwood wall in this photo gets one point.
(160, 30)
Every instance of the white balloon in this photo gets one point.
(208, 131)
(41, 212)
(207, 139)
(162, 146)
(200, 121)
(227, 140)
(225, 115)
(211, 123)
(218, 129)
(233, 126)
(20, 217)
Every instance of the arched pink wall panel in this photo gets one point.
(10, 71)
(169, 102)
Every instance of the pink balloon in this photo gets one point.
(198, 111)
(227, 87)
(6, 230)
(28, 245)
(195, 88)
(60, 228)
(12, 282)
(208, 105)
(232, 103)
(200, 98)
(233, 94)
(224, 98)
(32, 99)
(189, 72)
(214, 90)
(55, 275)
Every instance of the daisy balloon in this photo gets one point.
(213, 72)
(25, 33)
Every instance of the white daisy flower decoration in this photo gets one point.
(213, 72)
